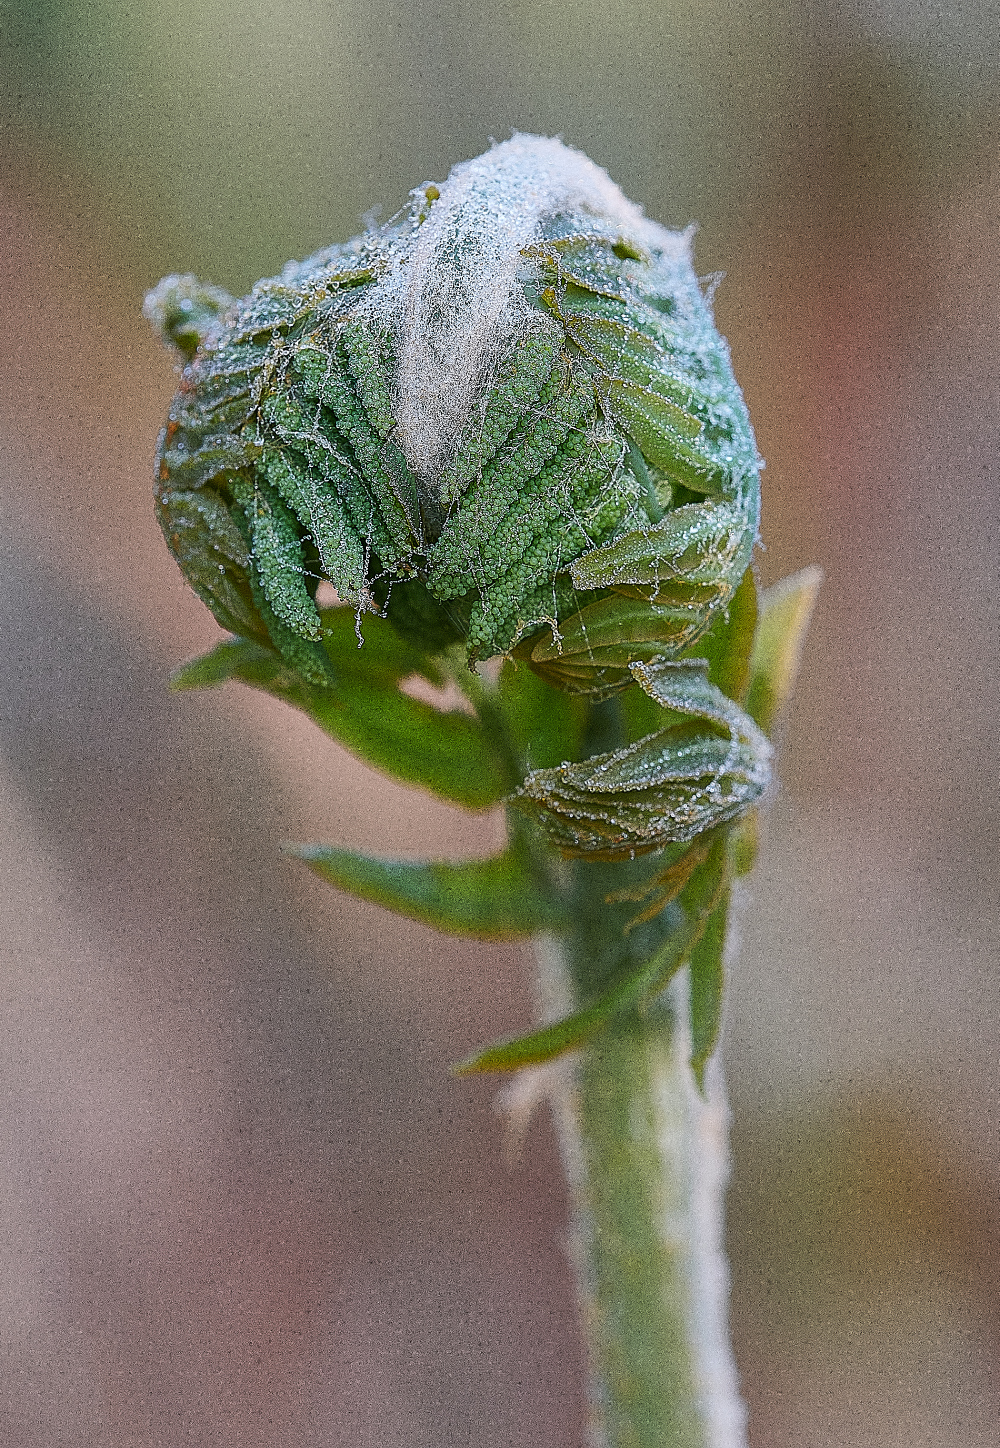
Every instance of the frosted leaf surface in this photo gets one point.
(485, 418)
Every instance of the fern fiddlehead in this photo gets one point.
(505, 425)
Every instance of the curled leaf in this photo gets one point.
(702, 544)
(667, 788)
(593, 648)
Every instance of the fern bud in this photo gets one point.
(505, 418)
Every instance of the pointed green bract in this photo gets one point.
(707, 980)
(495, 899)
(242, 659)
(728, 643)
(785, 611)
(538, 1047)
(370, 648)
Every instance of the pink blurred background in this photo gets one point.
(242, 1200)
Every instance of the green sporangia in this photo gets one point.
(504, 427)
(571, 436)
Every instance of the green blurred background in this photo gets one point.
(242, 1202)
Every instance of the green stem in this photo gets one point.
(646, 1158)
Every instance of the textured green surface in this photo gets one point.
(608, 447)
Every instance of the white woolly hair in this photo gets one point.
(453, 296)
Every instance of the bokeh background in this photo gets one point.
(241, 1202)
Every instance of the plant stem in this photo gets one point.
(646, 1160)
(646, 1157)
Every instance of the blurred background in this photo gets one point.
(242, 1202)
